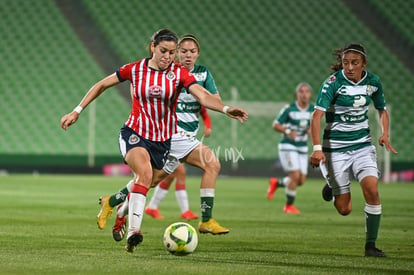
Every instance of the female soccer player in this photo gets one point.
(185, 147)
(145, 138)
(188, 111)
(179, 175)
(346, 149)
(293, 121)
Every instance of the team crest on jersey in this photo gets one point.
(170, 75)
(370, 90)
(331, 79)
(155, 91)
(133, 139)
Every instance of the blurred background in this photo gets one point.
(52, 52)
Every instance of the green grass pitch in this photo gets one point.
(48, 226)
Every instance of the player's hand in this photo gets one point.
(316, 158)
(237, 113)
(68, 119)
(207, 132)
(384, 141)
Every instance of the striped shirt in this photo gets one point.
(155, 95)
(188, 109)
(296, 119)
(346, 105)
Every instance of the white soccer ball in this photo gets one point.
(180, 238)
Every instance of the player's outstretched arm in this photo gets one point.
(97, 89)
(214, 103)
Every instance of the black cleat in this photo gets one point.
(132, 242)
(372, 251)
(327, 193)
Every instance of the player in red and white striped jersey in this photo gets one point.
(145, 139)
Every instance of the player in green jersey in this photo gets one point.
(346, 150)
(293, 122)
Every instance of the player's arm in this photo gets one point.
(288, 132)
(315, 126)
(384, 138)
(97, 89)
(214, 103)
(207, 121)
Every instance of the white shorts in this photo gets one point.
(293, 161)
(181, 145)
(342, 166)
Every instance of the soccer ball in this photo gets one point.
(180, 238)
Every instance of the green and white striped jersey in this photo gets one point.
(296, 119)
(188, 109)
(346, 105)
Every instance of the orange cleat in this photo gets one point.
(188, 215)
(272, 188)
(154, 213)
(290, 209)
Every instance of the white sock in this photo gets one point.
(285, 181)
(129, 185)
(182, 199)
(157, 197)
(123, 210)
(136, 213)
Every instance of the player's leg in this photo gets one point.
(182, 195)
(109, 202)
(290, 190)
(119, 229)
(160, 192)
(367, 175)
(338, 167)
(139, 161)
(205, 159)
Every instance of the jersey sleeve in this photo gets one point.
(283, 116)
(205, 117)
(209, 84)
(326, 94)
(187, 78)
(378, 97)
(124, 73)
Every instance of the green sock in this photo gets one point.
(290, 196)
(119, 197)
(206, 208)
(372, 223)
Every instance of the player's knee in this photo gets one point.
(344, 211)
(214, 166)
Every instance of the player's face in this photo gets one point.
(163, 54)
(353, 64)
(188, 53)
(304, 95)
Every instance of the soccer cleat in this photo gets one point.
(211, 226)
(290, 209)
(133, 241)
(272, 188)
(327, 193)
(153, 213)
(106, 211)
(188, 215)
(118, 230)
(372, 251)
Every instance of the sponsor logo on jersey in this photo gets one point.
(133, 139)
(155, 91)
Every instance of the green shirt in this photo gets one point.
(346, 105)
(188, 109)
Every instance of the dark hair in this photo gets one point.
(189, 37)
(339, 53)
(162, 35)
